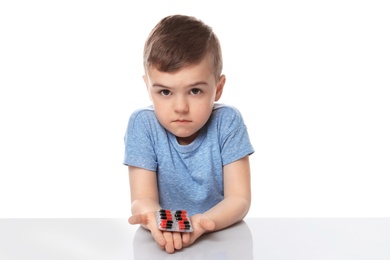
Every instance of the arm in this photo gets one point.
(144, 192)
(237, 195)
(233, 208)
(145, 203)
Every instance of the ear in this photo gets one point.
(146, 80)
(220, 85)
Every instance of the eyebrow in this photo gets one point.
(158, 85)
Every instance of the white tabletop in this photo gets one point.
(254, 238)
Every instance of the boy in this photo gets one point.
(186, 151)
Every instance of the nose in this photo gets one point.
(181, 105)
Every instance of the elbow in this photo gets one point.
(246, 206)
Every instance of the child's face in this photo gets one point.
(183, 100)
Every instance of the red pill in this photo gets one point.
(166, 221)
(186, 227)
(183, 222)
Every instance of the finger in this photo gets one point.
(207, 224)
(185, 238)
(135, 219)
(158, 237)
(169, 247)
(177, 240)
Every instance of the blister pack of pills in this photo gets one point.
(173, 220)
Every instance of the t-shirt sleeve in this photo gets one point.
(235, 142)
(139, 151)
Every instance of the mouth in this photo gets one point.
(181, 121)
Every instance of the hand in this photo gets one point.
(200, 225)
(170, 241)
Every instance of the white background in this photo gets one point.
(311, 79)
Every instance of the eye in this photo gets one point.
(165, 92)
(196, 91)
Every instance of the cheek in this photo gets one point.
(156, 103)
(204, 112)
(160, 111)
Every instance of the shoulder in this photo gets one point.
(143, 115)
(226, 114)
(226, 109)
(143, 118)
(145, 112)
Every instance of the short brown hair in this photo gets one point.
(179, 40)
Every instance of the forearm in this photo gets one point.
(144, 205)
(229, 211)
(144, 192)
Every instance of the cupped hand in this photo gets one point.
(169, 241)
(200, 224)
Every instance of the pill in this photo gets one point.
(167, 227)
(166, 215)
(166, 224)
(167, 211)
(173, 220)
(166, 221)
(181, 211)
(185, 222)
(184, 227)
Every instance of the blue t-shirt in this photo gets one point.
(189, 176)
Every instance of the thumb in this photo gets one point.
(135, 219)
(207, 224)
